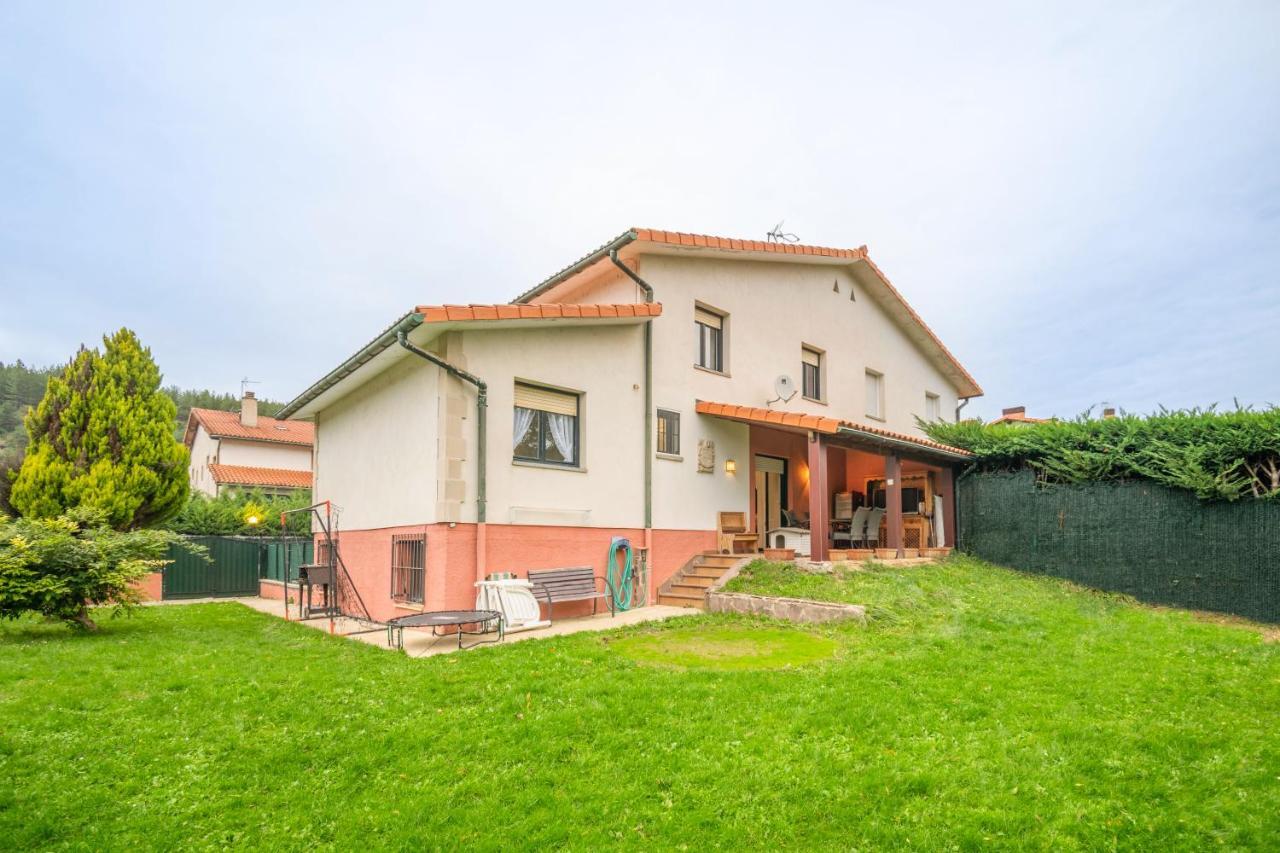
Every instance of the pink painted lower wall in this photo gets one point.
(451, 559)
(151, 587)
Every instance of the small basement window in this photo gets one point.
(546, 426)
(668, 432)
(409, 568)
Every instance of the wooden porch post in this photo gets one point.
(893, 501)
(819, 499)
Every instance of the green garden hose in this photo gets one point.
(622, 580)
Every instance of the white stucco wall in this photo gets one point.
(263, 454)
(376, 450)
(203, 451)
(604, 365)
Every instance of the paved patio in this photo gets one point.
(420, 643)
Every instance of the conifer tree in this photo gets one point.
(102, 439)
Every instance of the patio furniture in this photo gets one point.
(733, 534)
(857, 531)
(872, 533)
(514, 598)
(580, 583)
(435, 620)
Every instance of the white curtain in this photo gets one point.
(524, 420)
(561, 427)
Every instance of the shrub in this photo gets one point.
(1216, 455)
(60, 567)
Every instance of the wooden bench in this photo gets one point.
(580, 583)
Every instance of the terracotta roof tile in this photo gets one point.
(817, 423)
(535, 311)
(249, 475)
(227, 425)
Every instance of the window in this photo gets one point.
(932, 407)
(811, 373)
(668, 432)
(409, 567)
(875, 395)
(546, 426)
(710, 328)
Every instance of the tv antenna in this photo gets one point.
(246, 382)
(777, 235)
(785, 387)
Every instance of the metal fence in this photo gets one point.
(233, 566)
(1156, 544)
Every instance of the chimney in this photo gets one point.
(1108, 413)
(249, 410)
(1014, 412)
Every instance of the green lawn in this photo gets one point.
(977, 708)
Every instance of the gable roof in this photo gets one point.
(820, 423)
(440, 318)
(221, 424)
(252, 475)
(638, 240)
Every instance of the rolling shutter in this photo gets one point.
(706, 318)
(546, 400)
(808, 356)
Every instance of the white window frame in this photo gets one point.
(878, 413)
(932, 401)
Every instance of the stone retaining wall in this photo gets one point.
(792, 609)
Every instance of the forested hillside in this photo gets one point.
(22, 385)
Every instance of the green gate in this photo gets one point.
(231, 568)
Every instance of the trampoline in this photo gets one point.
(435, 620)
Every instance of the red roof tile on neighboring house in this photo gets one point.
(539, 311)
(249, 475)
(817, 423)
(227, 425)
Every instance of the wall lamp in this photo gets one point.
(730, 467)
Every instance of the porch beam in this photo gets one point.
(819, 498)
(893, 502)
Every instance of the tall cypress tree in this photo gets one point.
(102, 437)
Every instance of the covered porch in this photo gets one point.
(810, 478)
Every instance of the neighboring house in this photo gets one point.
(245, 450)
(609, 409)
(1017, 415)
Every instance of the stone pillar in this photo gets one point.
(893, 501)
(819, 498)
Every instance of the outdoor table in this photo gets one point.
(438, 619)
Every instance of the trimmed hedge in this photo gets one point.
(1216, 456)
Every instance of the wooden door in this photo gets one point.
(771, 485)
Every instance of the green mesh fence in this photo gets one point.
(1156, 544)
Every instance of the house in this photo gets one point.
(660, 380)
(244, 450)
(1017, 415)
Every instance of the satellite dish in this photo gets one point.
(785, 387)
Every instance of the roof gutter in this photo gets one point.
(366, 354)
(647, 290)
(578, 266)
(482, 409)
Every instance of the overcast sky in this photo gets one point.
(1082, 200)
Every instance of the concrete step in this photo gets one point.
(707, 571)
(681, 601)
(686, 597)
(725, 560)
(679, 587)
(697, 580)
